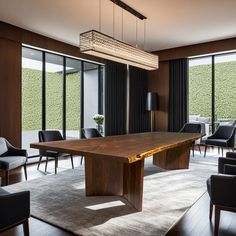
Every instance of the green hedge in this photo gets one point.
(32, 100)
(225, 90)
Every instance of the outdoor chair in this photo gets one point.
(11, 158)
(224, 136)
(49, 136)
(192, 128)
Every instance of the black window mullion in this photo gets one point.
(43, 90)
(82, 96)
(64, 99)
(213, 94)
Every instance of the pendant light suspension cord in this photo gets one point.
(99, 15)
(122, 25)
(144, 34)
(113, 20)
(136, 32)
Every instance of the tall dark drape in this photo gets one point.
(137, 104)
(178, 92)
(115, 98)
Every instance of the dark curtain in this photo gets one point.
(137, 104)
(115, 98)
(178, 92)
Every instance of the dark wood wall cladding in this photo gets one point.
(197, 49)
(23, 36)
(10, 91)
(159, 82)
(11, 40)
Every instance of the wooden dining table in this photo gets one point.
(114, 165)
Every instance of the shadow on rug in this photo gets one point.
(60, 200)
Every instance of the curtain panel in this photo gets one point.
(115, 98)
(178, 93)
(138, 88)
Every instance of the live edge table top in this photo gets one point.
(125, 148)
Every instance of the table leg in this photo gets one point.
(104, 177)
(174, 158)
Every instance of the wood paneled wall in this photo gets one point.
(10, 91)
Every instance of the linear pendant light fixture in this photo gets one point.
(98, 44)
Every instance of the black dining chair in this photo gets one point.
(192, 128)
(49, 136)
(223, 137)
(11, 158)
(15, 210)
(87, 133)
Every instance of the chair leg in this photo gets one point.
(26, 227)
(25, 170)
(218, 150)
(72, 162)
(46, 164)
(199, 147)
(217, 220)
(81, 160)
(40, 159)
(210, 211)
(56, 165)
(193, 149)
(205, 150)
(7, 177)
(222, 149)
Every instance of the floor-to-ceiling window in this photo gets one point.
(58, 92)
(212, 83)
(31, 96)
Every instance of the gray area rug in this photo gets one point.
(60, 200)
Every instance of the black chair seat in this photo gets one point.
(11, 162)
(49, 136)
(217, 142)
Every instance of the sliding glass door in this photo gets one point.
(212, 87)
(31, 97)
(59, 93)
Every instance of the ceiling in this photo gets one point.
(170, 23)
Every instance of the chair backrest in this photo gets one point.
(50, 135)
(3, 146)
(224, 132)
(191, 128)
(90, 133)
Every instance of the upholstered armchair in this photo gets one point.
(225, 162)
(11, 158)
(15, 210)
(224, 136)
(222, 192)
(49, 136)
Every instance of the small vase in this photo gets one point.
(100, 128)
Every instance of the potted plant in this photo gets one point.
(98, 118)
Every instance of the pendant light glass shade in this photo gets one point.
(104, 46)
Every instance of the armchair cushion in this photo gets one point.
(15, 207)
(222, 190)
(216, 142)
(223, 161)
(231, 154)
(11, 162)
(229, 169)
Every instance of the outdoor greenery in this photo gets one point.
(225, 87)
(32, 100)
